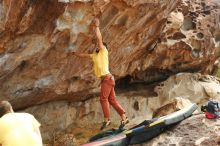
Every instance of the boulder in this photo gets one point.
(148, 41)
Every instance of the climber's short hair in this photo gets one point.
(5, 107)
(105, 44)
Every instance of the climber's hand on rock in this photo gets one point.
(95, 22)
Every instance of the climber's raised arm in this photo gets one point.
(98, 33)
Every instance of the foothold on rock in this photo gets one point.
(206, 12)
(188, 24)
(217, 37)
(178, 36)
(200, 35)
(136, 105)
(122, 20)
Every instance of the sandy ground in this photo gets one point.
(82, 135)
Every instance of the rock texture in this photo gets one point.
(148, 41)
(194, 131)
(139, 102)
(195, 87)
(61, 117)
(173, 106)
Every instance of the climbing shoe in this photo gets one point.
(105, 124)
(123, 123)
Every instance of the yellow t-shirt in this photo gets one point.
(100, 62)
(18, 129)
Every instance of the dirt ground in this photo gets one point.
(82, 135)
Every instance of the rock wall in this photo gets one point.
(148, 41)
(195, 87)
(140, 103)
(59, 117)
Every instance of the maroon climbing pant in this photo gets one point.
(108, 96)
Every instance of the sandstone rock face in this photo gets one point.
(148, 41)
(139, 103)
(175, 105)
(194, 131)
(59, 117)
(195, 87)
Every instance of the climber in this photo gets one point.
(211, 110)
(101, 69)
(18, 129)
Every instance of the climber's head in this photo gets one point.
(95, 45)
(5, 107)
(105, 44)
